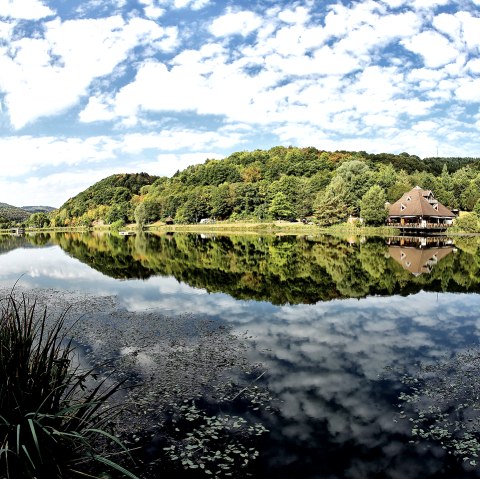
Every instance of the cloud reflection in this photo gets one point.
(323, 360)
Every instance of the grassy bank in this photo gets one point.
(277, 227)
(250, 227)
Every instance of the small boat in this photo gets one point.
(126, 233)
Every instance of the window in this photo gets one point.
(402, 206)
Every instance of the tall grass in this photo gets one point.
(52, 425)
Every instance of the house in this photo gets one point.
(418, 210)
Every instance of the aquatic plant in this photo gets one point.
(53, 422)
(217, 444)
(442, 404)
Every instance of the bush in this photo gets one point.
(468, 222)
(116, 225)
(51, 424)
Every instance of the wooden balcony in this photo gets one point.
(424, 228)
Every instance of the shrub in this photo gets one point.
(468, 222)
(116, 225)
(51, 424)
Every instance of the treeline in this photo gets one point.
(280, 183)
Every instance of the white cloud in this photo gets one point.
(435, 49)
(80, 50)
(26, 154)
(473, 65)
(469, 90)
(24, 9)
(6, 29)
(53, 189)
(154, 12)
(299, 15)
(152, 9)
(394, 3)
(193, 4)
(470, 29)
(449, 24)
(180, 139)
(97, 109)
(235, 23)
(428, 4)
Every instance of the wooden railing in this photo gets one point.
(419, 225)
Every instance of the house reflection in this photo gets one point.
(419, 255)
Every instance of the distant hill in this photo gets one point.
(13, 213)
(38, 209)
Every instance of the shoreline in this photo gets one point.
(245, 228)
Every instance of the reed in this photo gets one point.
(53, 424)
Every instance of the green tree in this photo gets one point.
(444, 190)
(402, 184)
(140, 215)
(386, 176)
(469, 196)
(358, 178)
(221, 201)
(38, 220)
(372, 206)
(330, 206)
(476, 208)
(468, 222)
(280, 207)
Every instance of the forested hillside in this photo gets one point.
(111, 199)
(9, 213)
(280, 183)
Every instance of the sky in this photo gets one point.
(89, 88)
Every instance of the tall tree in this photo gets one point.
(280, 207)
(372, 206)
(358, 178)
(331, 206)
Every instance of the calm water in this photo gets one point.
(328, 317)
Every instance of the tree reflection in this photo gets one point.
(278, 269)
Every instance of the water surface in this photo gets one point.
(327, 316)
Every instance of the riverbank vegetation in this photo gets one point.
(54, 421)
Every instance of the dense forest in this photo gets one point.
(110, 200)
(281, 183)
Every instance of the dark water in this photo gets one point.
(327, 315)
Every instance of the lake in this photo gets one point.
(335, 323)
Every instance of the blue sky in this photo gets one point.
(92, 88)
